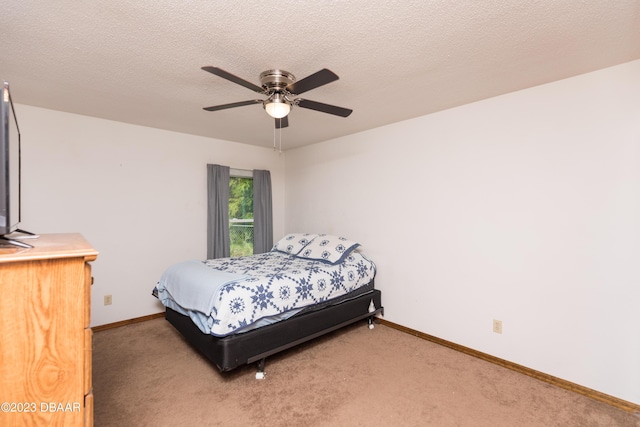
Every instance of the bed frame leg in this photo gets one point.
(260, 374)
(370, 320)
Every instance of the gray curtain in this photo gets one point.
(218, 245)
(262, 212)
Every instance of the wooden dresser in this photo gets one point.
(45, 339)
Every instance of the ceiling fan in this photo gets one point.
(281, 88)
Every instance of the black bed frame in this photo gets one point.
(255, 346)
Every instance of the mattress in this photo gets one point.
(234, 295)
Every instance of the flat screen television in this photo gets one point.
(9, 170)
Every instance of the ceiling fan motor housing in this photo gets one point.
(276, 79)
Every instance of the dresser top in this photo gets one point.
(48, 246)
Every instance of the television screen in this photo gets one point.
(9, 165)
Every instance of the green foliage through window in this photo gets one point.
(241, 216)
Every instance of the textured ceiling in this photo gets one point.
(139, 61)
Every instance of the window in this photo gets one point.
(240, 214)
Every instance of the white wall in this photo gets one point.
(523, 208)
(137, 194)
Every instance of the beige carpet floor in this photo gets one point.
(146, 374)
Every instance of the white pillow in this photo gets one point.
(293, 243)
(331, 249)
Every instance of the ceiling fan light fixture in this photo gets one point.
(277, 106)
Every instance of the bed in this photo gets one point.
(238, 311)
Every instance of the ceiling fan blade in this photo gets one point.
(313, 81)
(233, 105)
(324, 108)
(282, 123)
(235, 79)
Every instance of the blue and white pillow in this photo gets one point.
(293, 243)
(331, 249)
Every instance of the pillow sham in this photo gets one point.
(331, 249)
(293, 243)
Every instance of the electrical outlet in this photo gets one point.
(497, 326)
(107, 300)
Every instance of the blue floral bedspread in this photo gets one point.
(272, 287)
